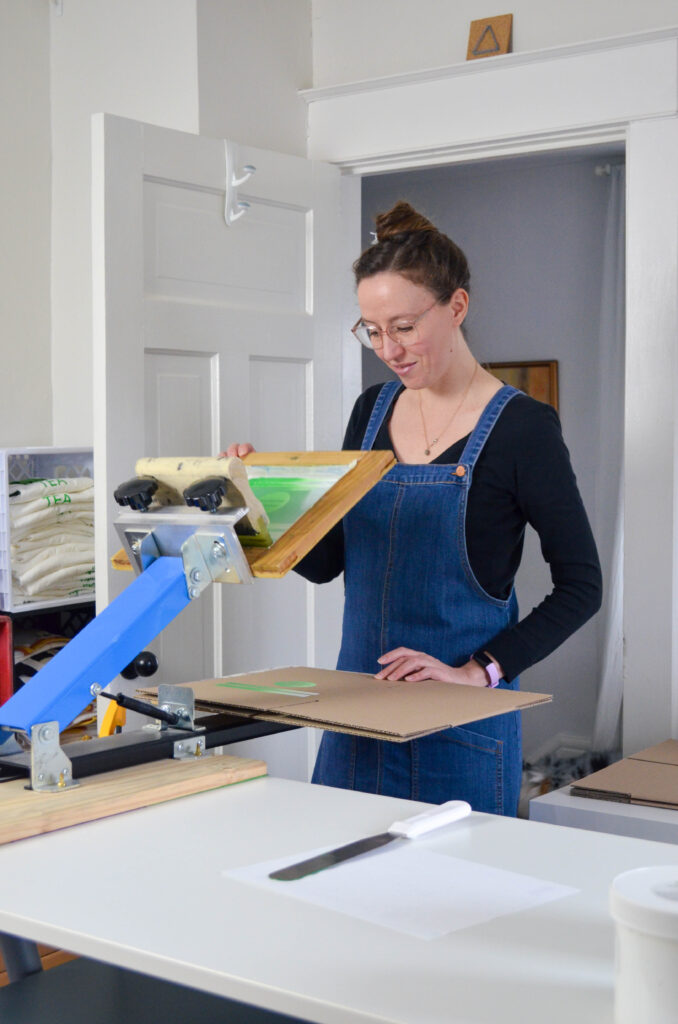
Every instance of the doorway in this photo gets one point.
(534, 231)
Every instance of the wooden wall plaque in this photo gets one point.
(488, 37)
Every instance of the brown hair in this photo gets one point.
(408, 243)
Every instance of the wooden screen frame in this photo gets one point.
(304, 534)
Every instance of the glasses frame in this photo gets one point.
(403, 322)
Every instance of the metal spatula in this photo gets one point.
(410, 828)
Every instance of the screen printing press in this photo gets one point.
(184, 525)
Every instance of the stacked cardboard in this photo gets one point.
(649, 777)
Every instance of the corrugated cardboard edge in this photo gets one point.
(303, 721)
(615, 797)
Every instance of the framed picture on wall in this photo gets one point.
(537, 378)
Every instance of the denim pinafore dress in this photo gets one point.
(408, 583)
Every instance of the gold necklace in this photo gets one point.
(429, 445)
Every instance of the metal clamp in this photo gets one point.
(207, 543)
(51, 770)
(190, 748)
(179, 701)
(212, 556)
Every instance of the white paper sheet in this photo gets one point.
(410, 889)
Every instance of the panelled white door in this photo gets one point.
(207, 333)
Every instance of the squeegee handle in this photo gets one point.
(132, 704)
(444, 814)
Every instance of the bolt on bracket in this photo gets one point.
(51, 769)
(211, 556)
(190, 748)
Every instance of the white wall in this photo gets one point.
(221, 67)
(131, 58)
(358, 39)
(253, 58)
(532, 229)
(25, 387)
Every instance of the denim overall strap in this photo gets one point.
(483, 427)
(381, 406)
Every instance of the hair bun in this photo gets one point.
(399, 219)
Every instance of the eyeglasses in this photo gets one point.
(402, 332)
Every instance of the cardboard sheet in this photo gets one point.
(649, 777)
(353, 702)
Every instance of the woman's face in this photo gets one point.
(422, 356)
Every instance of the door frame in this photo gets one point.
(616, 90)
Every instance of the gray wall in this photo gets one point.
(532, 230)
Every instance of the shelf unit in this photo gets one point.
(31, 463)
(63, 615)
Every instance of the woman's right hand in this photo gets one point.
(238, 450)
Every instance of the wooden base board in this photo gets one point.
(25, 813)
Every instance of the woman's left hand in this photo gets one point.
(413, 666)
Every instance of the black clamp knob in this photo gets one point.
(206, 494)
(137, 493)
(145, 664)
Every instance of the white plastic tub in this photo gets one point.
(644, 905)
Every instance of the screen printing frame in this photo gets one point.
(285, 552)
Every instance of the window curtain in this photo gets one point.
(610, 518)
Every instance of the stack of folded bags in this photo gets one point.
(52, 539)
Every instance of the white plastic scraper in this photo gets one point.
(411, 828)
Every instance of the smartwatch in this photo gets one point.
(486, 663)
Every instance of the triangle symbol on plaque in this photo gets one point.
(488, 37)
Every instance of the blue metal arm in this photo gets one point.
(99, 652)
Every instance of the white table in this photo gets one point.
(560, 808)
(145, 890)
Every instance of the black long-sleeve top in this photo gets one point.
(523, 475)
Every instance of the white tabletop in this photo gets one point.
(146, 890)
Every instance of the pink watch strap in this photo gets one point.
(492, 673)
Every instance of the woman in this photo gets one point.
(430, 553)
